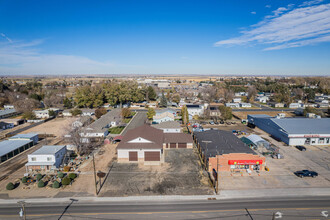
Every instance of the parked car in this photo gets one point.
(211, 122)
(306, 173)
(222, 122)
(301, 148)
(216, 123)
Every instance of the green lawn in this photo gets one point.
(116, 130)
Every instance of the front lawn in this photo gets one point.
(116, 130)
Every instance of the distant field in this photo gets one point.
(243, 115)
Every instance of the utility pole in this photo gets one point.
(22, 212)
(217, 174)
(94, 174)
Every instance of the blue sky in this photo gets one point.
(267, 37)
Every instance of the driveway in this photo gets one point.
(139, 119)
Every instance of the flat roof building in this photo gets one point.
(294, 131)
(225, 150)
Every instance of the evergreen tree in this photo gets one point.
(163, 101)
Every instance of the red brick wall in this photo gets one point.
(223, 160)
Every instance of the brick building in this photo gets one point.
(225, 149)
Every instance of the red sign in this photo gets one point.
(311, 136)
(244, 162)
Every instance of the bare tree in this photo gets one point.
(84, 145)
(252, 92)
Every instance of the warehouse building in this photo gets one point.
(224, 151)
(30, 136)
(10, 148)
(294, 131)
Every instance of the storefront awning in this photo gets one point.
(244, 162)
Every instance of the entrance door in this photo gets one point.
(133, 156)
(307, 141)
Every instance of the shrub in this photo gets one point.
(66, 169)
(41, 184)
(56, 185)
(66, 181)
(60, 174)
(39, 177)
(72, 176)
(24, 180)
(10, 186)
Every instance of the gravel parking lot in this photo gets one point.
(179, 175)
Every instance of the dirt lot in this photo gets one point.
(180, 175)
(243, 115)
(57, 126)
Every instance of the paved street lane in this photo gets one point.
(317, 208)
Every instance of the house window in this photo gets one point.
(49, 159)
(57, 156)
(33, 159)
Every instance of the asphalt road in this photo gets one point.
(138, 120)
(302, 208)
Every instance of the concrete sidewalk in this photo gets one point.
(224, 195)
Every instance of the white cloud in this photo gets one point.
(288, 27)
(268, 6)
(7, 38)
(25, 58)
(312, 2)
(253, 12)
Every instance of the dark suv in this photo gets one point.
(306, 173)
(301, 148)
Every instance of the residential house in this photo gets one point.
(169, 127)
(262, 99)
(170, 110)
(232, 105)
(295, 105)
(47, 158)
(277, 105)
(194, 109)
(237, 100)
(87, 112)
(245, 105)
(100, 128)
(45, 113)
(165, 116)
(67, 113)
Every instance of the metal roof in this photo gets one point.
(222, 142)
(304, 125)
(11, 145)
(255, 139)
(24, 136)
(6, 112)
(48, 150)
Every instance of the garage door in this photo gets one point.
(133, 156)
(151, 156)
(182, 145)
(172, 145)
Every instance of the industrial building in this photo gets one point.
(294, 131)
(16, 144)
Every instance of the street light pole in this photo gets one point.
(22, 203)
